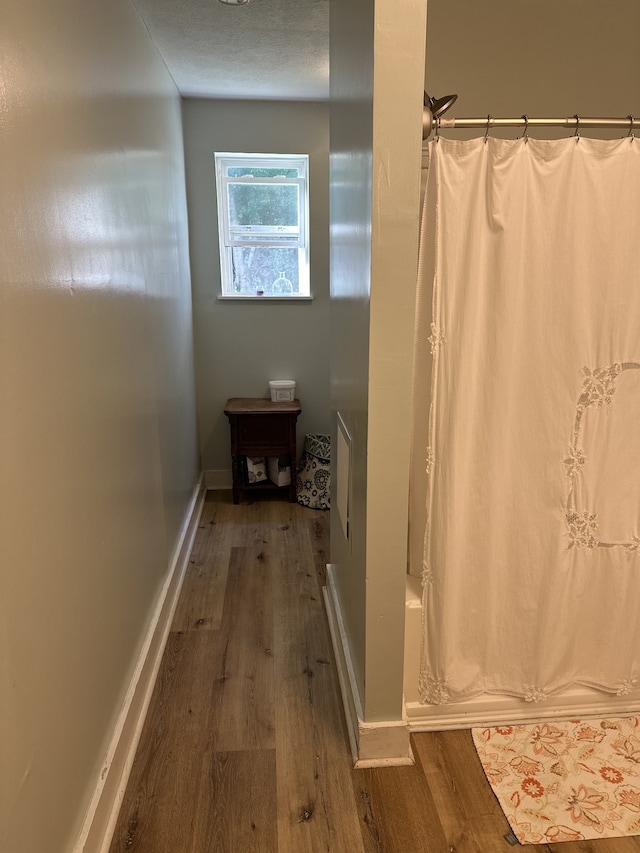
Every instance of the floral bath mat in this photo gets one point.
(565, 781)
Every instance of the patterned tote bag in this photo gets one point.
(314, 472)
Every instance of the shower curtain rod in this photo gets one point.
(489, 122)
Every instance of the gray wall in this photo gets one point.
(542, 58)
(351, 187)
(239, 346)
(98, 450)
(375, 182)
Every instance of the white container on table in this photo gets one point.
(282, 389)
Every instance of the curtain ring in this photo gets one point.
(438, 129)
(486, 133)
(525, 134)
(631, 134)
(577, 133)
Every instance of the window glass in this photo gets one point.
(272, 271)
(263, 224)
(263, 204)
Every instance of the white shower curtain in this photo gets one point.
(532, 554)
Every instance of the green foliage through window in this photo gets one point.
(263, 204)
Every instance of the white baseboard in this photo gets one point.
(384, 743)
(485, 711)
(342, 654)
(218, 479)
(100, 820)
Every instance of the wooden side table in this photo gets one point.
(262, 428)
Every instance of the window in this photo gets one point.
(263, 216)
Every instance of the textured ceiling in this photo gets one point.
(270, 49)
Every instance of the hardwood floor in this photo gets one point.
(245, 748)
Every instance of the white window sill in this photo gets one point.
(250, 298)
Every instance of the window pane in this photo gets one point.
(261, 269)
(263, 204)
(239, 172)
(263, 234)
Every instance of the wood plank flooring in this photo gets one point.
(245, 749)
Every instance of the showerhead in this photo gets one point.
(439, 106)
(433, 109)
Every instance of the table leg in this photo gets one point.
(293, 496)
(235, 478)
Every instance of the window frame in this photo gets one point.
(240, 236)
